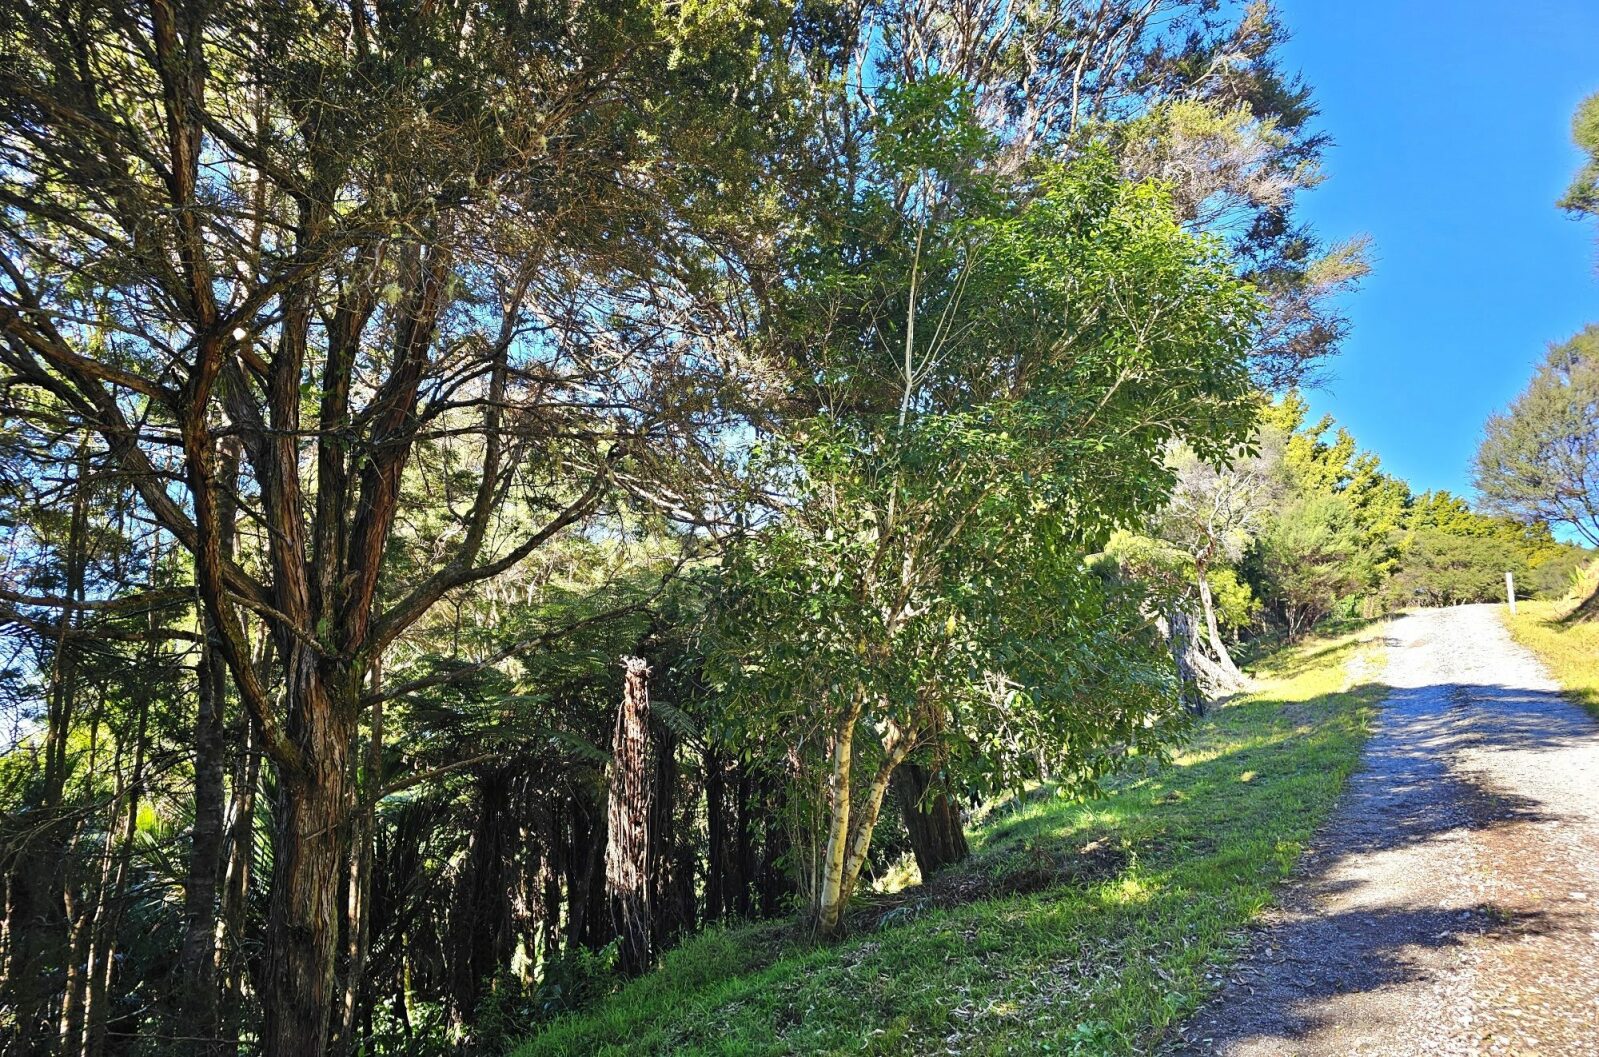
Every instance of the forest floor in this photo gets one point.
(1093, 928)
(1452, 904)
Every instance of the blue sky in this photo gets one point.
(1451, 123)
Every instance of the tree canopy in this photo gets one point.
(1539, 460)
(377, 377)
(1582, 197)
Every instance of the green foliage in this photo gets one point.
(1553, 572)
(928, 127)
(1351, 539)
(1441, 568)
(1582, 197)
(1216, 511)
(1450, 515)
(1312, 558)
(1237, 607)
(1151, 883)
(1234, 156)
(1159, 565)
(1168, 573)
(1025, 654)
(495, 299)
(925, 574)
(1539, 461)
(965, 312)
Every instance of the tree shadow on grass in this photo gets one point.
(1583, 612)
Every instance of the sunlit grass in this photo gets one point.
(1103, 964)
(1568, 648)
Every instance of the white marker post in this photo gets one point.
(1510, 590)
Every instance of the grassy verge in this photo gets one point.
(1568, 648)
(1102, 963)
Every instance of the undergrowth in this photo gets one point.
(1075, 928)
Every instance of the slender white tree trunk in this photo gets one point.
(850, 834)
(1213, 629)
(831, 897)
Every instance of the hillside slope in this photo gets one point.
(1090, 928)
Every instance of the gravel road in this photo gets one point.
(1451, 906)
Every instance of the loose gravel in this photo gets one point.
(1451, 906)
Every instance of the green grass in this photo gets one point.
(1179, 859)
(1568, 648)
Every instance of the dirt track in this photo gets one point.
(1451, 907)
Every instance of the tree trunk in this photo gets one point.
(833, 894)
(37, 933)
(932, 819)
(1213, 631)
(599, 931)
(550, 882)
(358, 904)
(91, 1012)
(849, 838)
(198, 1009)
(672, 850)
(716, 865)
(1180, 640)
(358, 894)
(34, 930)
(777, 875)
(479, 922)
(102, 965)
(743, 843)
(236, 884)
(585, 879)
(80, 914)
(627, 880)
(310, 857)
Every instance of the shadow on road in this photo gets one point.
(1346, 928)
(1276, 993)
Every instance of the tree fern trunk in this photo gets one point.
(627, 880)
